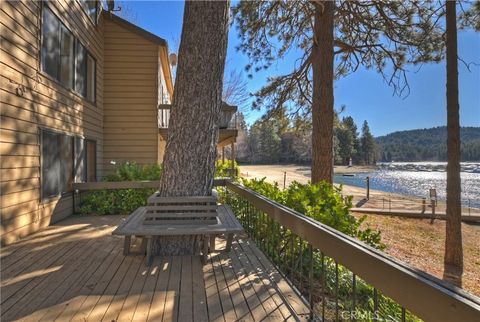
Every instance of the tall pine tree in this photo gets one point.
(190, 156)
(334, 38)
(368, 146)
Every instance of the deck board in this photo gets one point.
(75, 270)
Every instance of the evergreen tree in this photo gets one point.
(453, 259)
(379, 35)
(190, 155)
(345, 144)
(349, 123)
(368, 145)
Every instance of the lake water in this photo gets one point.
(415, 179)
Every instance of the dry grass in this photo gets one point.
(422, 245)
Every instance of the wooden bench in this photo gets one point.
(135, 225)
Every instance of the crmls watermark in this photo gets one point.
(365, 316)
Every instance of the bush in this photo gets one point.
(122, 201)
(224, 169)
(323, 202)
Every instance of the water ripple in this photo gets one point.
(417, 183)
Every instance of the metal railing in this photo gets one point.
(340, 277)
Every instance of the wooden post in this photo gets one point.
(433, 210)
(126, 245)
(368, 188)
(149, 250)
(424, 204)
(228, 247)
(284, 179)
(223, 154)
(433, 201)
(233, 159)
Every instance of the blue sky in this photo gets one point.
(364, 93)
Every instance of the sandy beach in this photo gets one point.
(414, 241)
(378, 199)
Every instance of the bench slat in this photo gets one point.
(134, 225)
(190, 222)
(181, 215)
(181, 208)
(156, 199)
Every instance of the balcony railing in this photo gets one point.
(339, 277)
(228, 118)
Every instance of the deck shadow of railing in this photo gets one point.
(35, 273)
(37, 260)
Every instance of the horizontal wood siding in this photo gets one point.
(131, 94)
(30, 100)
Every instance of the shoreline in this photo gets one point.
(415, 241)
(378, 198)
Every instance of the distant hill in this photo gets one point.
(427, 145)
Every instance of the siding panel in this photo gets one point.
(31, 100)
(130, 89)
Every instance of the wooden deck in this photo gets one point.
(75, 270)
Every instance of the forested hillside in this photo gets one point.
(427, 145)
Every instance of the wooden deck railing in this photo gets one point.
(107, 185)
(342, 278)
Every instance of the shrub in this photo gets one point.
(323, 202)
(224, 169)
(121, 201)
(124, 201)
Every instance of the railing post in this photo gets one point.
(310, 280)
(424, 204)
(433, 210)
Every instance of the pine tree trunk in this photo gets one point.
(190, 155)
(322, 100)
(453, 261)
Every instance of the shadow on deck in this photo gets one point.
(75, 270)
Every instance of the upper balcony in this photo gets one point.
(227, 126)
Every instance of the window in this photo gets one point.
(66, 159)
(57, 164)
(91, 9)
(64, 58)
(91, 83)
(85, 165)
(50, 41)
(80, 69)
(80, 154)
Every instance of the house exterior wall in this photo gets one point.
(31, 100)
(131, 96)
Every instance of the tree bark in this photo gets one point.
(322, 100)
(190, 154)
(453, 261)
(191, 150)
